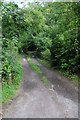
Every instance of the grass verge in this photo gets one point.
(72, 77)
(34, 66)
(37, 69)
(44, 62)
(44, 79)
(9, 90)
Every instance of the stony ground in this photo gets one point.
(58, 99)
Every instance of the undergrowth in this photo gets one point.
(72, 77)
(9, 89)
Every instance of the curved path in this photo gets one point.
(58, 99)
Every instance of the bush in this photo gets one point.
(46, 54)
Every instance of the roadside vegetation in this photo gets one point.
(73, 77)
(44, 62)
(34, 66)
(49, 30)
(44, 79)
(9, 89)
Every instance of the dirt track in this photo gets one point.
(58, 99)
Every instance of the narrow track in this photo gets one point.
(37, 100)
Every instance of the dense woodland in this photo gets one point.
(48, 30)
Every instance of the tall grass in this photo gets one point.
(9, 89)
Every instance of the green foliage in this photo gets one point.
(9, 89)
(9, 57)
(46, 54)
(44, 79)
(34, 66)
(65, 45)
(50, 31)
(42, 43)
(11, 24)
(10, 17)
(7, 92)
(75, 78)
